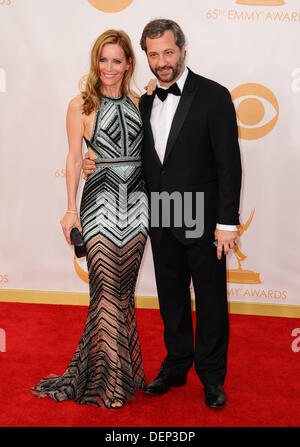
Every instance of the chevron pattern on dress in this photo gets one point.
(117, 129)
(107, 363)
(115, 203)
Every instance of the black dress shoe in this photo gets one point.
(214, 396)
(163, 382)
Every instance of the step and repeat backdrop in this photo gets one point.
(250, 46)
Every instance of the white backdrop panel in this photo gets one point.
(45, 47)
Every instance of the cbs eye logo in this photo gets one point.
(257, 110)
(110, 5)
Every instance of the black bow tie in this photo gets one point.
(163, 93)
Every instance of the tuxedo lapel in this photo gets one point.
(147, 108)
(182, 110)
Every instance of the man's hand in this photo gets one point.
(226, 241)
(88, 166)
(151, 86)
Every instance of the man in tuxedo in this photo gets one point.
(190, 147)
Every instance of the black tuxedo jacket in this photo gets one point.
(202, 154)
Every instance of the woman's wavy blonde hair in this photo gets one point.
(92, 92)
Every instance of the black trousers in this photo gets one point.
(175, 265)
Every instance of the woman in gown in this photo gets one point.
(106, 367)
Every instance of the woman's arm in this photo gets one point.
(75, 130)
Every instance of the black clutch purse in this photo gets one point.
(77, 240)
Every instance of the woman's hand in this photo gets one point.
(151, 86)
(68, 222)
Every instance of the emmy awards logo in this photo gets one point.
(261, 2)
(239, 275)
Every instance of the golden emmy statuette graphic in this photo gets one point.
(261, 2)
(239, 275)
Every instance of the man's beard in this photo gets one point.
(175, 71)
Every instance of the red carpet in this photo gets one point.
(262, 386)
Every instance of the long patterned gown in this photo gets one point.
(107, 363)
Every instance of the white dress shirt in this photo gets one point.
(162, 115)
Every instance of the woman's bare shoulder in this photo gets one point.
(76, 102)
